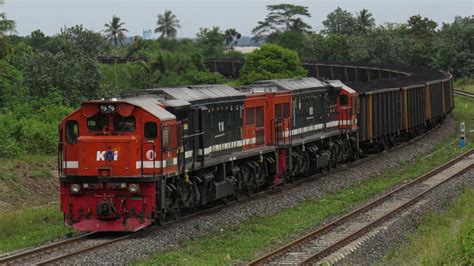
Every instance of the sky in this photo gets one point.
(51, 15)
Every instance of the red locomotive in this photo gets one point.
(129, 162)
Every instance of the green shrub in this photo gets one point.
(271, 62)
(9, 147)
(204, 77)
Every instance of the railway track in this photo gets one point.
(69, 248)
(324, 243)
(463, 93)
(35, 255)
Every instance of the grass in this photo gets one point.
(26, 216)
(38, 165)
(445, 238)
(465, 84)
(244, 241)
(29, 227)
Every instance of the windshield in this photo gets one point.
(124, 123)
(97, 122)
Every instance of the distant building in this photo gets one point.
(147, 34)
(245, 49)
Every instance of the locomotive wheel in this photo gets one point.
(188, 194)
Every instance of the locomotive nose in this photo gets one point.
(107, 156)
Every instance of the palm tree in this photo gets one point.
(114, 31)
(167, 25)
(365, 21)
(6, 25)
(232, 37)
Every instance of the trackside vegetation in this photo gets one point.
(29, 227)
(465, 84)
(445, 238)
(245, 241)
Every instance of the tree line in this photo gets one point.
(42, 78)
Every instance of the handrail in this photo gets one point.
(153, 156)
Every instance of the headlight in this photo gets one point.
(85, 185)
(107, 108)
(103, 108)
(111, 108)
(75, 188)
(133, 188)
(123, 185)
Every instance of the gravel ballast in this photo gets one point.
(169, 237)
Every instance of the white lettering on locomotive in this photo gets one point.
(109, 155)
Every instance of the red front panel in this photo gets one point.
(108, 206)
(115, 154)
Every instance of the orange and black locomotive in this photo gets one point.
(129, 162)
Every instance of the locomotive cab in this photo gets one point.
(110, 154)
(347, 105)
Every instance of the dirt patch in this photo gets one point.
(28, 183)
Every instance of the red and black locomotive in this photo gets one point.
(126, 163)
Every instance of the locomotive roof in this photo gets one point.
(202, 92)
(339, 84)
(180, 96)
(148, 104)
(296, 84)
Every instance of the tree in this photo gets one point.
(340, 21)
(271, 62)
(365, 21)
(281, 18)
(211, 41)
(37, 40)
(78, 39)
(232, 37)
(75, 76)
(115, 32)
(167, 25)
(421, 27)
(6, 25)
(454, 47)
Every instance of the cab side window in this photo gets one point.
(343, 99)
(150, 130)
(72, 131)
(165, 136)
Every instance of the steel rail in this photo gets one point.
(463, 93)
(81, 251)
(28, 253)
(328, 227)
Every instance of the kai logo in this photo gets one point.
(108, 155)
